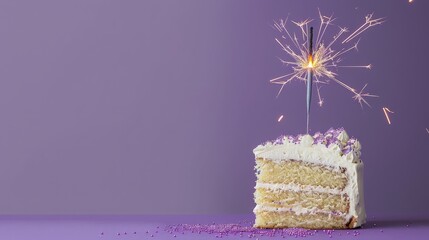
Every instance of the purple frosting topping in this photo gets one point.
(331, 136)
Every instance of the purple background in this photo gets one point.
(154, 107)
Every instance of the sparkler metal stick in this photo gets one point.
(309, 74)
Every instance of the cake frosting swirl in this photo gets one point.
(333, 142)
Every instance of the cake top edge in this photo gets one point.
(336, 140)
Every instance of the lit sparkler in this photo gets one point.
(386, 113)
(319, 61)
(309, 74)
(280, 118)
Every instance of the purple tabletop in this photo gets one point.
(193, 227)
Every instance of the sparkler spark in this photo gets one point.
(280, 118)
(386, 111)
(325, 59)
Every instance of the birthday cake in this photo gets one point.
(310, 182)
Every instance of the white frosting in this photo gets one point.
(332, 155)
(343, 137)
(298, 188)
(298, 210)
(307, 140)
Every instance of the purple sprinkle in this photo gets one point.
(346, 149)
(225, 230)
(279, 140)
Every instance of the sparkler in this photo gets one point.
(280, 118)
(319, 61)
(309, 74)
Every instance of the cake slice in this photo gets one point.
(311, 182)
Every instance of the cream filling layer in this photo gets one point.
(299, 188)
(298, 210)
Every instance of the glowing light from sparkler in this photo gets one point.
(280, 118)
(386, 113)
(310, 61)
(325, 60)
